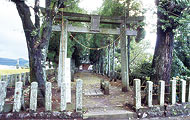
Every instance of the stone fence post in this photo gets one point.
(173, 91)
(161, 92)
(63, 97)
(33, 96)
(149, 85)
(182, 90)
(48, 97)
(2, 94)
(137, 93)
(79, 95)
(17, 97)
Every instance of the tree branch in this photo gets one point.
(37, 14)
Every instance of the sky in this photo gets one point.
(12, 38)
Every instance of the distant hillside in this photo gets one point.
(13, 62)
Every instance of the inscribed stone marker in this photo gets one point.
(2, 94)
(79, 83)
(63, 104)
(33, 96)
(68, 79)
(137, 91)
(17, 97)
(149, 92)
(48, 97)
(182, 90)
(161, 92)
(173, 91)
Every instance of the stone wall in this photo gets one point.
(164, 111)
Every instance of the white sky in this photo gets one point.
(12, 38)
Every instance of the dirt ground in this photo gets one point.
(116, 100)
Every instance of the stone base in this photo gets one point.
(164, 111)
(155, 111)
(178, 109)
(40, 115)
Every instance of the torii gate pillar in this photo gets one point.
(124, 58)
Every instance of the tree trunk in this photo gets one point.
(37, 45)
(162, 59)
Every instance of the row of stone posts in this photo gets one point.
(161, 92)
(11, 79)
(33, 96)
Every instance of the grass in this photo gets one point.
(12, 71)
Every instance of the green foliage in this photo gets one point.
(171, 13)
(181, 57)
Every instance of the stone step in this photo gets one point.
(93, 92)
(110, 114)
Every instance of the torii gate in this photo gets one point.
(95, 20)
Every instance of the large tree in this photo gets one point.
(37, 36)
(168, 12)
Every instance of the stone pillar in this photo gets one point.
(48, 97)
(173, 91)
(14, 79)
(18, 78)
(182, 90)
(161, 92)
(17, 97)
(12, 82)
(33, 96)
(8, 81)
(23, 78)
(68, 79)
(188, 92)
(149, 85)
(109, 62)
(137, 93)
(2, 94)
(79, 95)
(124, 59)
(62, 54)
(63, 104)
(3, 78)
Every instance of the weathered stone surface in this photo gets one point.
(149, 85)
(68, 79)
(62, 54)
(182, 90)
(14, 77)
(2, 94)
(18, 78)
(23, 78)
(12, 82)
(79, 85)
(178, 109)
(161, 92)
(155, 111)
(33, 96)
(8, 80)
(41, 115)
(173, 91)
(106, 88)
(137, 93)
(8, 107)
(3, 78)
(17, 97)
(48, 97)
(63, 104)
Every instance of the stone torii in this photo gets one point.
(95, 21)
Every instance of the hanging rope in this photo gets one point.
(85, 45)
(94, 48)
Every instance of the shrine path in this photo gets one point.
(98, 106)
